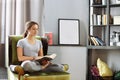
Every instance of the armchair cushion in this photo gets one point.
(13, 49)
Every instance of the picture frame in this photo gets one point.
(68, 31)
(117, 1)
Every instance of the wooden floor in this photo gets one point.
(3, 73)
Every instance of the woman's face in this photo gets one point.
(33, 30)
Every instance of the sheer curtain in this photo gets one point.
(20, 11)
(16, 13)
(2, 20)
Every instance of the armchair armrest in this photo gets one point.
(17, 69)
(66, 67)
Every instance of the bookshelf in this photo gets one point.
(104, 24)
(103, 21)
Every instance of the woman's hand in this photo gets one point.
(45, 63)
(36, 58)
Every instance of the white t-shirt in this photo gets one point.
(30, 49)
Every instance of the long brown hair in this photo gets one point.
(28, 25)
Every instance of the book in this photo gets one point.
(94, 16)
(116, 20)
(46, 57)
(94, 41)
(104, 19)
(91, 2)
(99, 17)
(104, 2)
(90, 41)
(100, 41)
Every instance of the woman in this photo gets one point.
(29, 49)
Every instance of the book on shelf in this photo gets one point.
(99, 19)
(95, 40)
(96, 19)
(116, 20)
(90, 41)
(100, 41)
(91, 2)
(104, 2)
(104, 19)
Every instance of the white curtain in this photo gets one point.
(14, 15)
(37, 14)
(2, 21)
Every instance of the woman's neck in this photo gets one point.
(30, 37)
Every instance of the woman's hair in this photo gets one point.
(28, 25)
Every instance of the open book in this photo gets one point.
(47, 57)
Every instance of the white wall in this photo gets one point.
(71, 9)
(74, 56)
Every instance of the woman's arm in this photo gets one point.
(20, 55)
(40, 54)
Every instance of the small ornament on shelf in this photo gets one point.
(49, 36)
(95, 2)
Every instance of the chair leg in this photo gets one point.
(19, 76)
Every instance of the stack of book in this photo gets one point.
(99, 19)
(95, 40)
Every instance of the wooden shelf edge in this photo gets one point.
(103, 47)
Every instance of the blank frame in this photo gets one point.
(68, 32)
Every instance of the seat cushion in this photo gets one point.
(48, 76)
(40, 76)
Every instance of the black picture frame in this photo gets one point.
(68, 31)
